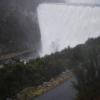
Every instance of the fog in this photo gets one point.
(64, 25)
(61, 23)
(19, 27)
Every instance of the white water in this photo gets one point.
(63, 25)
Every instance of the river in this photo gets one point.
(63, 92)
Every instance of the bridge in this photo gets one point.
(77, 4)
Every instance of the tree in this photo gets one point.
(88, 78)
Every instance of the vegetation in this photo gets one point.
(88, 72)
(83, 60)
(16, 77)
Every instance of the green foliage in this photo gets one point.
(16, 77)
(83, 59)
(88, 77)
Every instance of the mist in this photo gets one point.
(19, 27)
(64, 25)
(45, 26)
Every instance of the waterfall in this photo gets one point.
(64, 25)
(19, 27)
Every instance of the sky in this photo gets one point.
(62, 25)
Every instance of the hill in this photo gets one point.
(18, 76)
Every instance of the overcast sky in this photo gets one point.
(63, 25)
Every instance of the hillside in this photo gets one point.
(19, 76)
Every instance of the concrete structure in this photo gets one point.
(19, 27)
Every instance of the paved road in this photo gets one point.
(62, 92)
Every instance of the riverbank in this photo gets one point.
(32, 92)
(64, 91)
(53, 83)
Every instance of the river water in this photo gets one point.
(63, 92)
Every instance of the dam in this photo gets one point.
(36, 28)
(68, 24)
(19, 27)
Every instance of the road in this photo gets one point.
(15, 54)
(92, 5)
(62, 92)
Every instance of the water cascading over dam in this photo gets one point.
(68, 24)
(19, 27)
